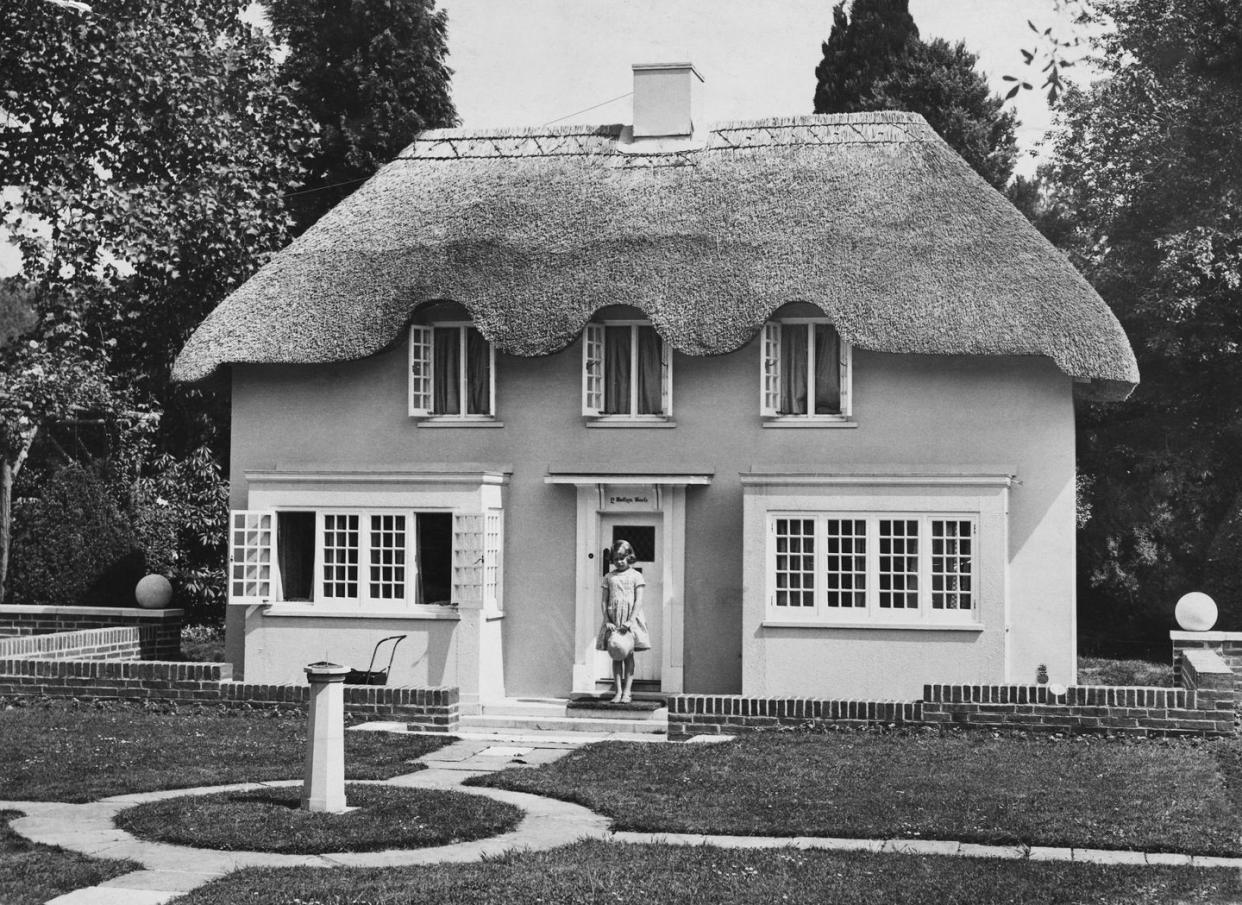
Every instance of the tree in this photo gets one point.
(1150, 161)
(372, 75)
(875, 60)
(147, 146)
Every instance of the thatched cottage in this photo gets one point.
(816, 370)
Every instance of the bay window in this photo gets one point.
(916, 568)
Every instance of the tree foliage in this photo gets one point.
(874, 59)
(372, 75)
(1150, 161)
(147, 145)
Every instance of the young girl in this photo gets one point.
(623, 612)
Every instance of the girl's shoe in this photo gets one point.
(625, 699)
(617, 699)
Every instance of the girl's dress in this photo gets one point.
(621, 586)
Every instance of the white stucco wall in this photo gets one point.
(913, 409)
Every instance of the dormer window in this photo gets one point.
(626, 372)
(452, 372)
(805, 371)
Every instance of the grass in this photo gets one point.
(589, 873)
(202, 643)
(70, 751)
(1103, 671)
(32, 873)
(1153, 795)
(270, 820)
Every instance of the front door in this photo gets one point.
(643, 531)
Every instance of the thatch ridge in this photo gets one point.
(872, 217)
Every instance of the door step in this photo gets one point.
(560, 715)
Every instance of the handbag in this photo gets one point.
(620, 644)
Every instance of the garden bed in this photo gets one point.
(271, 820)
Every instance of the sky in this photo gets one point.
(531, 62)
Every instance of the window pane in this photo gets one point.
(617, 370)
(295, 554)
(795, 575)
(435, 557)
(447, 357)
(899, 564)
(340, 557)
(827, 370)
(650, 372)
(846, 574)
(478, 373)
(793, 369)
(951, 564)
(387, 567)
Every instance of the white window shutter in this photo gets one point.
(468, 558)
(420, 371)
(252, 547)
(666, 379)
(493, 553)
(845, 375)
(770, 370)
(593, 370)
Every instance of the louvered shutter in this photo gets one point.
(770, 370)
(420, 370)
(252, 546)
(593, 370)
(493, 551)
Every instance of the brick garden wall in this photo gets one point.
(129, 643)
(164, 643)
(427, 709)
(1204, 706)
(1226, 644)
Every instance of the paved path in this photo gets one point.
(171, 870)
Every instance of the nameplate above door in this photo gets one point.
(629, 498)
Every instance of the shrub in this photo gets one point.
(74, 546)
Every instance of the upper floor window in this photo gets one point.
(626, 372)
(452, 371)
(805, 370)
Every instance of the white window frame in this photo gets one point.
(595, 374)
(922, 615)
(770, 369)
(421, 372)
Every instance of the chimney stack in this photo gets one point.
(664, 99)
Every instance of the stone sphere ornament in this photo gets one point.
(1196, 612)
(153, 592)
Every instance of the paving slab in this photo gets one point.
(1168, 858)
(1109, 856)
(99, 895)
(1050, 853)
(162, 880)
(921, 846)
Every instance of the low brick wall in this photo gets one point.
(129, 643)
(1205, 706)
(426, 709)
(1228, 645)
(165, 643)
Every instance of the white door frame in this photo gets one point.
(671, 508)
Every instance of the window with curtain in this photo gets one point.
(451, 372)
(805, 370)
(626, 372)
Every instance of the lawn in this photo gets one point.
(31, 874)
(70, 751)
(1103, 671)
(1154, 795)
(271, 820)
(589, 873)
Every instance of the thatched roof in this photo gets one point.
(870, 216)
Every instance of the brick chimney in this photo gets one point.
(664, 95)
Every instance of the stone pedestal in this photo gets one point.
(323, 784)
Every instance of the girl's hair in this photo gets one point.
(622, 550)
